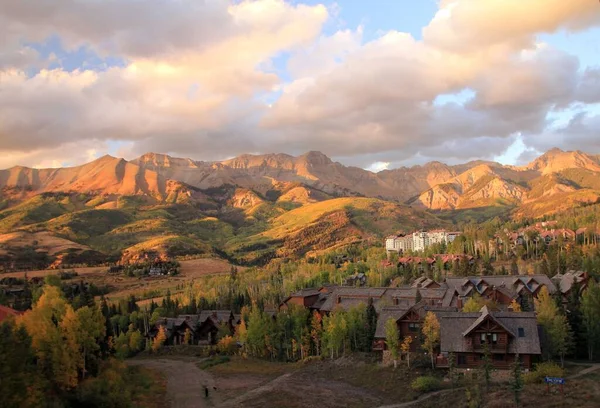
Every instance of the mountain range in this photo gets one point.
(236, 207)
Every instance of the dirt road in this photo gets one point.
(185, 383)
(588, 370)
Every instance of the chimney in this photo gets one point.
(459, 303)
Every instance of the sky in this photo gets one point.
(376, 84)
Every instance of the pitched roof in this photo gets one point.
(485, 314)
(305, 292)
(6, 312)
(514, 283)
(453, 327)
(565, 281)
(393, 312)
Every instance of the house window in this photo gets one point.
(521, 332)
(482, 338)
(494, 338)
(413, 327)
(462, 359)
(498, 357)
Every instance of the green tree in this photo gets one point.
(516, 381)
(590, 307)
(392, 338)
(452, 374)
(257, 331)
(562, 337)
(487, 365)
(431, 335)
(20, 382)
(555, 325)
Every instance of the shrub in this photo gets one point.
(227, 345)
(213, 361)
(426, 384)
(547, 369)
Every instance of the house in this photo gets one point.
(7, 312)
(155, 271)
(502, 289)
(358, 279)
(310, 298)
(549, 236)
(424, 282)
(213, 321)
(504, 334)
(203, 328)
(565, 282)
(409, 320)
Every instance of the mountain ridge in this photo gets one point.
(434, 185)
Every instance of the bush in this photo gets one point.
(547, 369)
(227, 345)
(426, 384)
(213, 361)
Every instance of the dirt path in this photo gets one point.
(185, 383)
(588, 370)
(420, 399)
(237, 402)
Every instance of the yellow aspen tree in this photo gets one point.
(405, 347)
(431, 333)
(160, 339)
(187, 337)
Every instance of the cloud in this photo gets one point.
(198, 79)
(149, 99)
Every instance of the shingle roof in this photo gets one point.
(565, 281)
(305, 292)
(5, 312)
(510, 283)
(485, 314)
(394, 312)
(454, 325)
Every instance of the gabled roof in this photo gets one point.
(512, 283)
(394, 312)
(565, 281)
(454, 325)
(6, 312)
(485, 315)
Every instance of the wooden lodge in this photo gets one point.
(203, 328)
(504, 334)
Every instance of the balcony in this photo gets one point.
(480, 347)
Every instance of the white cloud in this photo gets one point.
(196, 75)
(378, 166)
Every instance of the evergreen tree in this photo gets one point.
(516, 381)
(590, 308)
(555, 325)
(487, 365)
(20, 382)
(371, 323)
